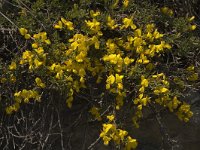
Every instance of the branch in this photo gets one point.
(8, 19)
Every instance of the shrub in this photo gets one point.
(137, 55)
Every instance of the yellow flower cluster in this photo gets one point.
(39, 83)
(26, 95)
(35, 58)
(173, 104)
(192, 75)
(163, 93)
(164, 84)
(94, 26)
(24, 32)
(119, 136)
(115, 85)
(64, 23)
(111, 23)
(40, 38)
(165, 100)
(142, 100)
(117, 79)
(114, 59)
(128, 22)
(22, 96)
(184, 112)
(94, 14)
(167, 11)
(13, 108)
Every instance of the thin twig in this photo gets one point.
(94, 143)
(8, 19)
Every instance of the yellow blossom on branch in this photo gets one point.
(12, 66)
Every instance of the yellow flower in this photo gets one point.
(107, 127)
(142, 89)
(59, 25)
(82, 72)
(119, 78)
(111, 117)
(13, 108)
(138, 41)
(131, 143)
(184, 112)
(106, 140)
(192, 27)
(111, 23)
(35, 45)
(36, 36)
(93, 25)
(37, 63)
(80, 57)
(143, 59)
(110, 79)
(94, 14)
(127, 60)
(17, 94)
(12, 66)
(107, 86)
(59, 74)
(69, 24)
(144, 101)
(27, 36)
(27, 55)
(120, 86)
(48, 42)
(191, 19)
(125, 3)
(160, 90)
(164, 90)
(40, 50)
(164, 10)
(69, 101)
(138, 33)
(39, 83)
(190, 68)
(23, 31)
(95, 41)
(157, 35)
(122, 134)
(150, 27)
(173, 104)
(167, 11)
(144, 82)
(128, 23)
(82, 80)
(111, 46)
